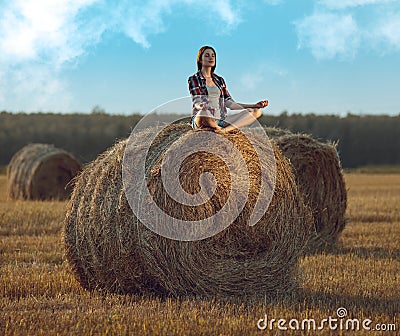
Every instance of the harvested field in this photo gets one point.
(39, 294)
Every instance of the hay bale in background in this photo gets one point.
(320, 178)
(41, 172)
(275, 132)
(108, 248)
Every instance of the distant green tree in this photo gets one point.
(363, 140)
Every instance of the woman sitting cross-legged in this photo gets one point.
(211, 98)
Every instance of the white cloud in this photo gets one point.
(61, 30)
(32, 30)
(388, 31)
(250, 81)
(339, 29)
(342, 4)
(138, 19)
(255, 76)
(37, 38)
(45, 92)
(225, 11)
(46, 35)
(329, 35)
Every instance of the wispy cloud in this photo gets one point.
(137, 20)
(33, 87)
(250, 81)
(36, 39)
(388, 31)
(31, 30)
(47, 35)
(225, 10)
(336, 30)
(62, 29)
(328, 35)
(256, 75)
(342, 4)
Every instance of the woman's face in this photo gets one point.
(208, 58)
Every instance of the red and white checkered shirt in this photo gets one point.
(199, 93)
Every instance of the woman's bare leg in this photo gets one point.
(242, 119)
(206, 122)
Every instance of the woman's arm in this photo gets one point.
(238, 106)
(199, 100)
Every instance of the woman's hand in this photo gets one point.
(261, 104)
(200, 106)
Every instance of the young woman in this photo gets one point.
(211, 98)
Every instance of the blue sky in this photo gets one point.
(320, 56)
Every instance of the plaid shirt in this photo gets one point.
(199, 93)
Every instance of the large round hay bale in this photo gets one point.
(109, 248)
(41, 172)
(320, 178)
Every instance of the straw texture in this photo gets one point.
(108, 248)
(41, 172)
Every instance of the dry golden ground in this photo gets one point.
(39, 295)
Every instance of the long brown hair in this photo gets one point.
(200, 54)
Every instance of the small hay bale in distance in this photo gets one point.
(319, 176)
(276, 132)
(41, 172)
(108, 248)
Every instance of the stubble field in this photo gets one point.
(39, 295)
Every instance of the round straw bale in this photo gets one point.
(109, 248)
(41, 172)
(276, 132)
(320, 178)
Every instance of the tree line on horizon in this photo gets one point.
(367, 140)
